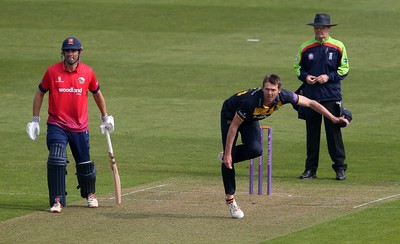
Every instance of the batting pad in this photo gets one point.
(56, 172)
(86, 173)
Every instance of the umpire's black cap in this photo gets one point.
(345, 113)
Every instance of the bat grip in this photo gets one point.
(110, 149)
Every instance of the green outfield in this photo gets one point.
(165, 67)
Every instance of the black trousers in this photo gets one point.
(333, 137)
(251, 147)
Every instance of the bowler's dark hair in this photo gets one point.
(273, 79)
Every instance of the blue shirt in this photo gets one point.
(326, 57)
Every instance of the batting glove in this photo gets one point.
(33, 128)
(107, 123)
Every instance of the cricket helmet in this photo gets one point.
(71, 43)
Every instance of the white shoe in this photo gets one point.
(92, 201)
(235, 211)
(57, 206)
(221, 157)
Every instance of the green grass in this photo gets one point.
(362, 227)
(165, 67)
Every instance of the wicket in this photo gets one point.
(260, 165)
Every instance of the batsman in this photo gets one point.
(68, 83)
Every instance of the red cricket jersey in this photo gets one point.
(68, 95)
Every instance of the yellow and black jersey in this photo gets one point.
(248, 105)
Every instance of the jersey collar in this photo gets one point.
(75, 71)
(325, 40)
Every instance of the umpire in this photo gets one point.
(321, 64)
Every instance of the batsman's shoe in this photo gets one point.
(235, 210)
(221, 157)
(92, 201)
(57, 206)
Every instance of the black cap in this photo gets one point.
(345, 113)
(322, 20)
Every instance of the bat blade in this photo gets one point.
(114, 168)
(117, 180)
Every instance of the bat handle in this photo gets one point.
(110, 149)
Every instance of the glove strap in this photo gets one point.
(103, 118)
(35, 119)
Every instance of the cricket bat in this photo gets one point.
(114, 168)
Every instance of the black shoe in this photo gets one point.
(340, 175)
(308, 174)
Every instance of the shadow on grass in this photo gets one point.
(297, 178)
(24, 207)
(159, 216)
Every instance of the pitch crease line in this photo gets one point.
(377, 200)
(145, 189)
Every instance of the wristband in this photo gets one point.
(35, 119)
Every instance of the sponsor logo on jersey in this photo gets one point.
(81, 80)
(241, 114)
(59, 80)
(262, 113)
(78, 91)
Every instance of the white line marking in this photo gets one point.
(378, 200)
(133, 192)
(253, 40)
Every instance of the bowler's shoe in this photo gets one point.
(340, 175)
(235, 210)
(308, 174)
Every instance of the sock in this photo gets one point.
(230, 201)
